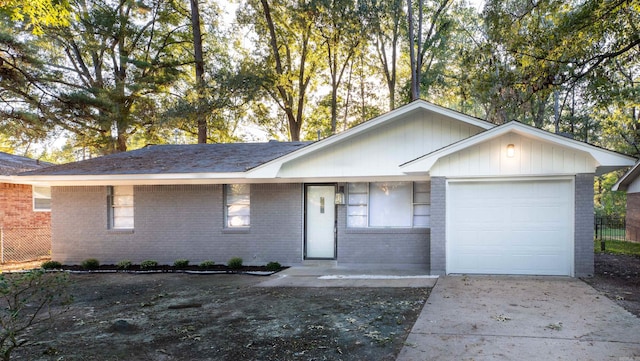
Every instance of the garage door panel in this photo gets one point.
(510, 227)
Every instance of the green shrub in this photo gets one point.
(148, 264)
(181, 263)
(124, 264)
(51, 265)
(273, 266)
(207, 264)
(235, 263)
(90, 264)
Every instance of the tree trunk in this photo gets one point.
(412, 52)
(287, 101)
(199, 64)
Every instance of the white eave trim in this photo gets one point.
(136, 179)
(604, 158)
(623, 183)
(271, 169)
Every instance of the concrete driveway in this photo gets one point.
(521, 318)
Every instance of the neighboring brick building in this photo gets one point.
(630, 182)
(25, 220)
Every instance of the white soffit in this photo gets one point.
(606, 160)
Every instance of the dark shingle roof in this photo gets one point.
(13, 164)
(184, 158)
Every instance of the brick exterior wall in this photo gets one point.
(583, 232)
(633, 217)
(173, 222)
(438, 251)
(16, 208)
(401, 247)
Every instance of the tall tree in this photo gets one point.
(385, 21)
(430, 16)
(199, 67)
(339, 23)
(101, 77)
(288, 54)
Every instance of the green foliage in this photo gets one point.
(606, 201)
(90, 264)
(51, 265)
(273, 266)
(148, 264)
(26, 300)
(38, 14)
(619, 247)
(235, 263)
(124, 264)
(181, 263)
(207, 264)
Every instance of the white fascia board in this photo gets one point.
(271, 169)
(134, 179)
(608, 160)
(623, 183)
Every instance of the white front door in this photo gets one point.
(320, 221)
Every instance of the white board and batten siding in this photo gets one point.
(379, 152)
(532, 157)
(516, 226)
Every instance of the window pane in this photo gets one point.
(122, 207)
(357, 209)
(42, 204)
(238, 201)
(358, 188)
(421, 210)
(123, 212)
(357, 199)
(390, 204)
(42, 192)
(122, 222)
(123, 201)
(238, 221)
(421, 221)
(357, 221)
(422, 197)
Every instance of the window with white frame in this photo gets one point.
(237, 205)
(121, 207)
(41, 199)
(389, 204)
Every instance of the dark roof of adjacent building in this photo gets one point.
(13, 164)
(183, 158)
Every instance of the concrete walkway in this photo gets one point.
(521, 318)
(332, 275)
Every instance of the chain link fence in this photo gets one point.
(24, 244)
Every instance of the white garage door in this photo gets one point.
(510, 227)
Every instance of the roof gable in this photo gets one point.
(560, 152)
(628, 181)
(378, 146)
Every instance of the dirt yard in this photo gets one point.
(223, 317)
(618, 277)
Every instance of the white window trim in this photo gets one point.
(112, 206)
(227, 205)
(33, 196)
(368, 195)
